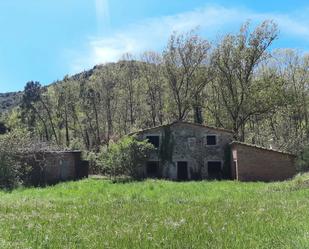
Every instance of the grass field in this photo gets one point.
(157, 214)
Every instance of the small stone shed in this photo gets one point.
(255, 163)
(55, 166)
(189, 151)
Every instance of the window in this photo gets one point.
(152, 169)
(214, 169)
(154, 140)
(211, 140)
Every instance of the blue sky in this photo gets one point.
(45, 40)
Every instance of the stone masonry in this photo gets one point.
(184, 147)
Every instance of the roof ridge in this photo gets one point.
(262, 147)
(182, 122)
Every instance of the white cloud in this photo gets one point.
(152, 34)
(102, 14)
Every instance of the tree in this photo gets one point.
(106, 80)
(32, 94)
(183, 57)
(236, 59)
(151, 71)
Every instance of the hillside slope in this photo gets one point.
(12, 99)
(9, 100)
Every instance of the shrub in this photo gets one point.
(303, 160)
(13, 170)
(95, 166)
(126, 157)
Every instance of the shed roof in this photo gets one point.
(182, 122)
(261, 148)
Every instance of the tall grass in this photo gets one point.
(157, 214)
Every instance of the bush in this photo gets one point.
(126, 157)
(303, 160)
(13, 171)
(95, 167)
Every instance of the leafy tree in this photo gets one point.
(236, 60)
(152, 72)
(32, 95)
(183, 57)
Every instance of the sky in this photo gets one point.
(46, 40)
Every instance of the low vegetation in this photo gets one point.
(157, 214)
(126, 157)
(13, 171)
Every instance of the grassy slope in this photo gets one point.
(157, 214)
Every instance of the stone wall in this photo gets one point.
(252, 163)
(53, 167)
(186, 142)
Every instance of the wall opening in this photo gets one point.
(211, 140)
(154, 140)
(152, 169)
(214, 169)
(182, 171)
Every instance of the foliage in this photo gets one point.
(95, 164)
(237, 83)
(303, 160)
(126, 157)
(184, 57)
(13, 171)
(157, 214)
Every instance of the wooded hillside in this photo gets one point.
(238, 83)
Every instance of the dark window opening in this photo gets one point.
(152, 169)
(154, 140)
(214, 170)
(182, 171)
(211, 140)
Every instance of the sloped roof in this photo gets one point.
(183, 122)
(261, 148)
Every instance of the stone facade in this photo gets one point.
(253, 163)
(188, 151)
(52, 167)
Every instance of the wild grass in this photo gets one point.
(157, 214)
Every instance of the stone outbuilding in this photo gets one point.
(49, 167)
(255, 163)
(190, 151)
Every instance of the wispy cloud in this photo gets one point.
(102, 14)
(152, 34)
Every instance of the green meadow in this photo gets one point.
(97, 213)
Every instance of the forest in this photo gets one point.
(240, 82)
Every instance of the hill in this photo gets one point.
(12, 99)
(9, 100)
(157, 214)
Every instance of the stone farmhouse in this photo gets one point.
(189, 151)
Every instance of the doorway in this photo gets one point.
(214, 170)
(152, 169)
(182, 171)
